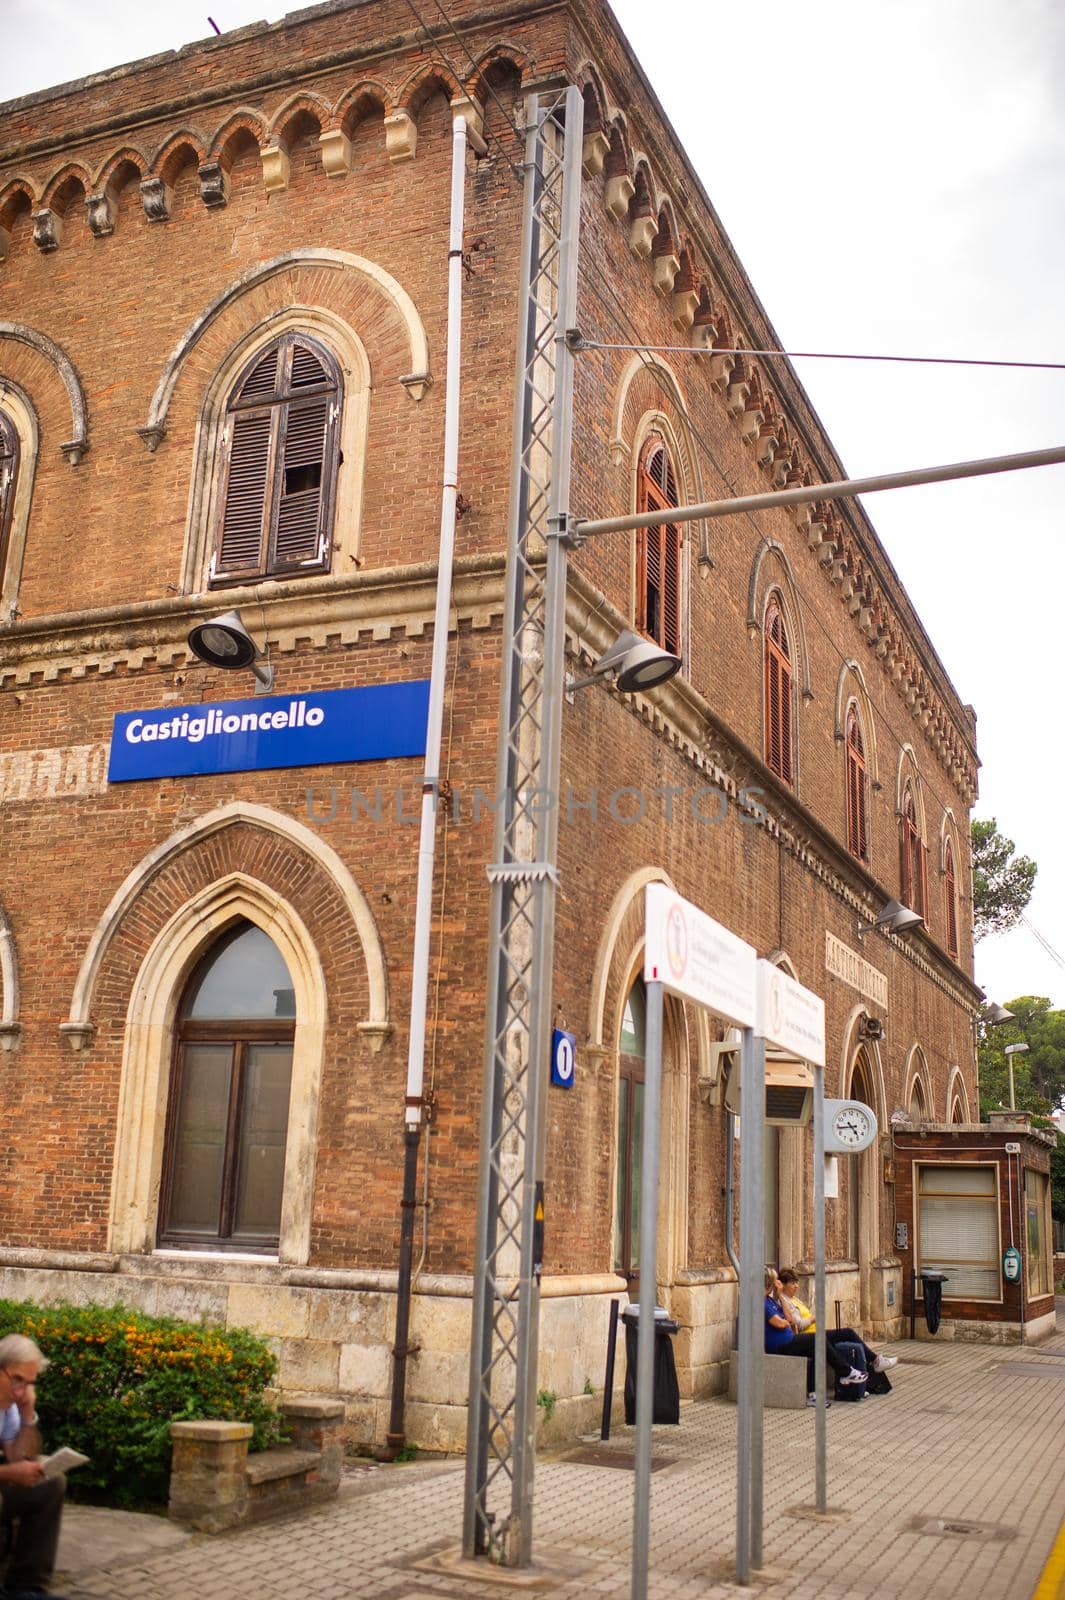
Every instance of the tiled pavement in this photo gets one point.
(973, 1436)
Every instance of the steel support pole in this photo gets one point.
(645, 1345)
(751, 1340)
(820, 1430)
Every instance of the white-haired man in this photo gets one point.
(31, 1505)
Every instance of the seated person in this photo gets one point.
(31, 1505)
(802, 1320)
(782, 1340)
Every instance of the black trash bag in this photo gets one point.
(665, 1404)
(932, 1285)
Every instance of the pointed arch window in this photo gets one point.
(950, 892)
(280, 459)
(224, 1160)
(630, 1132)
(912, 868)
(857, 827)
(778, 694)
(9, 463)
(658, 569)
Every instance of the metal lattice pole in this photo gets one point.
(506, 1303)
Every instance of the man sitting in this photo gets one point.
(31, 1505)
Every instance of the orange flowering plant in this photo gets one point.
(117, 1379)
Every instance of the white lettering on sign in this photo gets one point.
(694, 956)
(62, 774)
(193, 730)
(845, 963)
(790, 1016)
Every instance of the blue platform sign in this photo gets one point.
(563, 1055)
(375, 723)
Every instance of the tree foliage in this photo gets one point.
(1038, 1073)
(1002, 881)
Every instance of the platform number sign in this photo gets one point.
(563, 1046)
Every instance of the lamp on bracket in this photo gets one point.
(996, 1014)
(895, 918)
(632, 662)
(226, 643)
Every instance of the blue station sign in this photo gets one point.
(375, 723)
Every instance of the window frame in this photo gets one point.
(667, 543)
(950, 896)
(778, 691)
(991, 1263)
(857, 809)
(278, 409)
(9, 481)
(1040, 1205)
(913, 869)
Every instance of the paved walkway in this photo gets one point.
(954, 1485)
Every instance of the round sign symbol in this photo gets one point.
(564, 1058)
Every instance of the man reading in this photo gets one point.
(31, 1505)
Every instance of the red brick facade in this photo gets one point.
(303, 170)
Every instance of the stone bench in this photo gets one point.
(215, 1484)
(785, 1381)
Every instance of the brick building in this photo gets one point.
(224, 304)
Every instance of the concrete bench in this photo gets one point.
(785, 1380)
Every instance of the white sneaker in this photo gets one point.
(854, 1376)
(885, 1363)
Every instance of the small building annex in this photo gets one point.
(224, 291)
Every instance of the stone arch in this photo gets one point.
(865, 1169)
(57, 358)
(148, 1051)
(415, 382)
(350, 352)
(64, 185)
(295, 110)
(644, 179)
(246, 121)
(18, 409)
(18, 199)
(917, 1073)
(503, 56)
(166, 162)
(957, 1096)
(10, 1026)
(422, 84)
(851, 689)
(948, 829)
(360, 101)
(590, 82)
(759, 587)
(667, 239)
(376, 1025)
(908, 772)
(128, 156)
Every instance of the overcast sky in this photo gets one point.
(893, 178)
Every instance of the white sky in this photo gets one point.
(893, 178)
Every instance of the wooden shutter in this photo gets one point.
(240, 547)
(778, 695)
(8, 478)
(950, 890)
(299, 510)
(857, 835)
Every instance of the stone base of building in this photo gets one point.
(969, 1331)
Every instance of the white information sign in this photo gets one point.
(694, 956)
(789, 1016)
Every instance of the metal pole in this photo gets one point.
(645, 1344)
(820, 1431)
(842, 490)
(749, 1391)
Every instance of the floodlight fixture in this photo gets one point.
(895, 918)
(226, 643)
(996, 1014)
(633, 663)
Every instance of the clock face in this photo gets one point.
(851, 1126)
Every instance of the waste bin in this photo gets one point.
(666, 1390)
(932, 1294)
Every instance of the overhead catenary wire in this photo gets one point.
(1047, 946)
(579, 343)
(444, 59)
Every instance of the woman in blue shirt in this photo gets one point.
(782, 1340)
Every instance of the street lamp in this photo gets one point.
(226, 643)
(1011, 1051)
(633, 662)
(895, 918)
(996, 1014)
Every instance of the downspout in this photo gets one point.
(414, 1112)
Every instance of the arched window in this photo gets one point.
(224, 1161)
(912, 873)
(9, 456)
(632, 1051)
(857, 830)
(950, 894)
(280, 459)
(658, 551)
(861, 1089)
(917, 1108)
(778, 694)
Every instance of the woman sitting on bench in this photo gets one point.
(782, 1340)
(801, 1318)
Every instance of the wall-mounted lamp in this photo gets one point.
(996, 1014)
(225, 642)
(632, 662)
(895, 918)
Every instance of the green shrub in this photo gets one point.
(118, 1378)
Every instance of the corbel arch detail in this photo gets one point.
(908, 772)
(415, 382)
(850, 687)
(917, 1072)
(376, 1027)
(957, 1096)
(852, 1044)
(78, 442)
(20, 413)
(306, 102)
(948, 829)
(779, 576)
